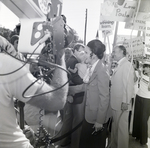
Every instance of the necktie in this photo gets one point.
(87, 75)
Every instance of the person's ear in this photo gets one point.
(91, 54)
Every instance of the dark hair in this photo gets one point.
(13, 39)
(136, 64)
(64, 18)
(77, 46)
(146, 65)
(68, 48)
(18, 27)
(97, 47)
(121, 47)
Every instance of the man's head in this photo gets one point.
(146, 68)
(78, 49)
(14, 41)
(5, 46)
(136, 64)
(95, 50)
(64, 18)
(119, 52)
(17, 29)
(68, 53)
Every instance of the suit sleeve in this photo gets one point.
(128, 83)
(103, 88)
(75, 78)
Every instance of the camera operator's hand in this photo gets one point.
(76, 89)
(124, 106)
(98, 126)
(70, 99)
(29, 133)
(45, 37)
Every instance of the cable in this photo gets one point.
(25, 62)
(47, 64)
(55, 139)
(42, 40)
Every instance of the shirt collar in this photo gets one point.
(120, 60)
(94, 65)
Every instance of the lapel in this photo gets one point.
(119, 66)
(95, 70)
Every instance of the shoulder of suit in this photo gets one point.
(124, 61)
(101, 66)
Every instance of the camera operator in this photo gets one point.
(13, 82)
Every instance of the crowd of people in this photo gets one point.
(100, 99)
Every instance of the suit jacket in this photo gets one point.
(122, 84)
(97, 95)
(75, 78)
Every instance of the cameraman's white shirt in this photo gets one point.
(12, 86)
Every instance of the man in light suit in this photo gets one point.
(122, 86)
(93, 133)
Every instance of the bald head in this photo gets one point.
(119, 52)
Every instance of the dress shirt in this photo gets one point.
(89, 72)
(93, 67)
(118, 63)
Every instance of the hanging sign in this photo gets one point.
(139, 25)
(106, 24)
(147, 38)
(134, 46)
(106, 33)
(142, 16)
(113, 11)
(122, 38)
(144, 6)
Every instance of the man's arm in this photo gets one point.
(73, 70)
(75, 78)
(55, 100)
(128, 84)
(21, 79)
(77, 89)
